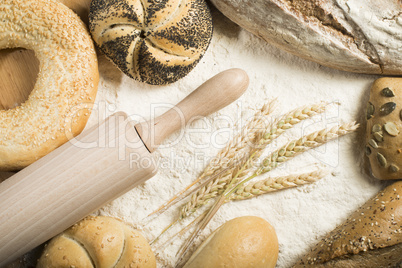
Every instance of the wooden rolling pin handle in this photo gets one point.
(214, 94)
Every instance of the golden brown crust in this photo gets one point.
(61, 101)
(157, 42)
(246, 242)
(384, 126)
(373, 231)
(98, 242)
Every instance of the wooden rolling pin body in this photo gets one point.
(96, 167)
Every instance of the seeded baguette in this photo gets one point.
(370, 237)
(384, 124)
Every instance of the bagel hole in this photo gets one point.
(19, 69)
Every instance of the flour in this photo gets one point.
(300, 216)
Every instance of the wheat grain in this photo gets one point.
(283, 154)
(216, 186)
(275, 184)
(303, 144)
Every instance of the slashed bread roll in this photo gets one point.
(100, 242)
(383, 130)
(371, 237)
(247, 242)
(350, 35)
(157, 42)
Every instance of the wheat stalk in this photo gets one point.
(285, 153)
(228, 157)
(275, 184)
(216, 186)
(303, 144)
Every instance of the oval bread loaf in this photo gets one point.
(371, 237)
(157, 42)
(353, 35)
(247, 242)
(383, 131)
(100, 242)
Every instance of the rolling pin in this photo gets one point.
(94, 168)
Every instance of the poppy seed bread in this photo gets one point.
(157, 42)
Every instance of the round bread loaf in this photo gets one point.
(157, 42)
(384, 125)
(61, 101)
(100, 242)
(247, 242)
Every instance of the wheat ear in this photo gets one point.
(275, 184)
(296, 147)
(303, 144)
(213, 188)
(228, 157)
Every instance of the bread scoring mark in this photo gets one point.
(82, 246)
(156, 72)
(119, 50)
(340, 25)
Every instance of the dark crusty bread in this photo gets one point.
(384, 125)
(157, 42)
(370, 237)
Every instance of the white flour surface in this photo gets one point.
(300, 216)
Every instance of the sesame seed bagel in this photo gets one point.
(157, 42)
(59, 105)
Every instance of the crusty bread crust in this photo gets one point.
(157, 42)
(60, 103)
(354, 35)
(98, 242)
(371, 235)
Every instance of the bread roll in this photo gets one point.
(157, 42)
(247, 242)
(353, 35)
(100, 242)
(371, 237)
(384, 124)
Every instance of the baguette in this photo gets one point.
(370, 237)
(354, 35)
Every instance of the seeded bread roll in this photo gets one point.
(246, 242)
(370, 238)
(100, 242)
(157, 42)
(384, 123)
